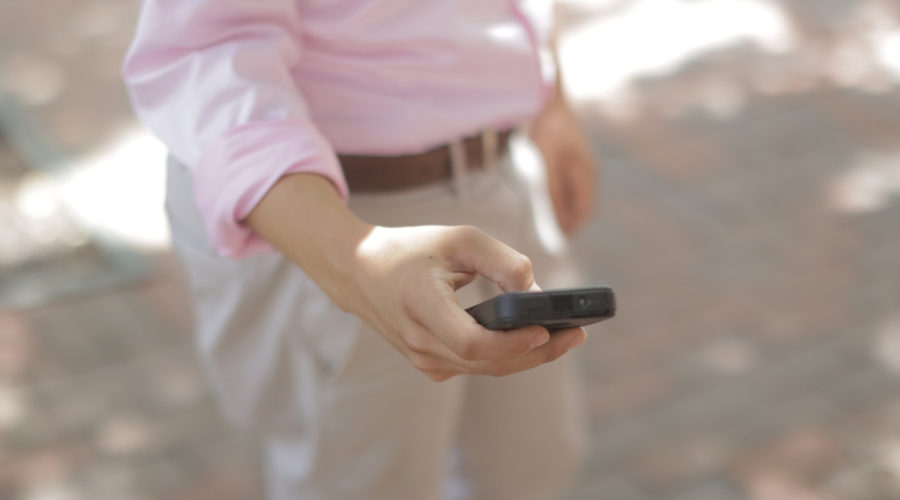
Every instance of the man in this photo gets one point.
(331, 160)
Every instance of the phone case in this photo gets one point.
(553, 309)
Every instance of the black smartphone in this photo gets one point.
(553, 309)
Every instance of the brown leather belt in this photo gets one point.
(390, 173)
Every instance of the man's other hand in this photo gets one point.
(571, 164)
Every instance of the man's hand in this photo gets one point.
(402, 281)
(571, 164)
(405, 287)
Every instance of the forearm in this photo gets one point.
(304, 217)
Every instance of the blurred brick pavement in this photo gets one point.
(754, 248)
(755, 252)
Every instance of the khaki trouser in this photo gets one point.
(340, 413)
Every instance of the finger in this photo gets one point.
(560, 343)
(429, 355)
(444, 360)
(472, 250)
(584, 178)
(436, 368)
(441, 315)
(458, 280)
(439, 376)
(426, 352)
(567, 211)
(580, 204)
(563, 185)
(556, 187)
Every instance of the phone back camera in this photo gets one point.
(583, 302)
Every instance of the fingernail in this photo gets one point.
(540, 340)
(578, 340)
(534, 287)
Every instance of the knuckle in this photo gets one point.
(468, 233)
(415, 343)
(497, 370)
(422, 363)
(410, 305)
(554, 354)
(468, 350)
(440, 376)
(521, 266)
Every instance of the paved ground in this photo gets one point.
(749, 226)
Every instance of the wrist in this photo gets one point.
(304, 217)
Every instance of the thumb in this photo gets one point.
(477, 252)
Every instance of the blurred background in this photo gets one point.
(750, 225)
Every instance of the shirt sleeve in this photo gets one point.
(212, 78)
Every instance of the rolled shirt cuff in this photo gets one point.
(237, 170)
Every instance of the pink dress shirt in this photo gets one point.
(246, 91)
